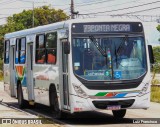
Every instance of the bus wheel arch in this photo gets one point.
(21, 101)
(54, 103)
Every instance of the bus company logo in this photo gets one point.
(111, 94)
(114, 93)
(6, 121)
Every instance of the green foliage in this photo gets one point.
(1, 64)
(156, 52)
(156, 66)
(155, 82)
(155, 94)
(158, 28)
(1, 68)
(42, 16)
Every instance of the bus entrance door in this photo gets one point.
(30, 86)
(66, 103)
(12, 71)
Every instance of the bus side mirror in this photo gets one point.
(151, 56)
(66, 47)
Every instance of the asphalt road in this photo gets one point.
(87, 119)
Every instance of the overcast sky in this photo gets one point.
(110, 7)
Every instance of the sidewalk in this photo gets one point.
(10, 112)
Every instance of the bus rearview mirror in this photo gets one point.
(66, 47)
(151, 56)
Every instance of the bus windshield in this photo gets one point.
(109, 58)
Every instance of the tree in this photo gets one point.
(158, 28)
(42, 16)
(156, 52)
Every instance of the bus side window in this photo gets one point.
(40, 49)
(17, 52)
(6, 53)
(22, 51)
(40, 56)
(51, 47)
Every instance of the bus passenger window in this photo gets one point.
(40, 49)
(6, 54)
(16, 58)
(22, 51)
(40, 41)
(51, 46)
(40, 56)
(51, 56)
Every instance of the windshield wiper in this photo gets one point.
(121, 47)
(116, 54)
(93, 40)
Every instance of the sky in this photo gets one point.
(94, 8)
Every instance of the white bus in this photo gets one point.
(80, 65)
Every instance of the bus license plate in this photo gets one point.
(114, 107)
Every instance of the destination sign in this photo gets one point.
(107, 27)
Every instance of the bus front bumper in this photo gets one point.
(79, 104)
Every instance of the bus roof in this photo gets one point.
(61, 25)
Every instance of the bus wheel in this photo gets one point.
(54, 105)
(21, 101)
(119, 113)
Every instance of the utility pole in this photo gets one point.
(73, 13)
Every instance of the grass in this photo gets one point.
(155, 81)
(1, 75)
(155, 94)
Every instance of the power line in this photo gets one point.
(86, 2)
(98, 2)
(144, 18)
(113, 5)
(123, 8)
(8, 2)
(30, 1)
(17, 8)
(82, 3)
(140, 11)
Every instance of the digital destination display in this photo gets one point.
(107, 27)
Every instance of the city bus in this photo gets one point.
(80, 65)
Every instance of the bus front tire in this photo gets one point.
(21, 101)
(54, 105)
(119, 113)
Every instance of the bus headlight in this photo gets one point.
(79, 91)
(144, 89)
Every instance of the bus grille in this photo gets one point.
(122, 103)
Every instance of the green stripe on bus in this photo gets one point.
(101, 94)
